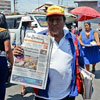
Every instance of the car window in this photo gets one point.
(41, 20)
(13, 23)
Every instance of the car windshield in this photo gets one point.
(41, 20)
(13, 23)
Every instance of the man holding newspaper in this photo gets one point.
(61, 84)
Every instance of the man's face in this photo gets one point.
(55, 24)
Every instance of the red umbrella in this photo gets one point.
(86, 12)
(82, 18)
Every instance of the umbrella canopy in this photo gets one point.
(70, 18)
(86, 11)
(82, 18)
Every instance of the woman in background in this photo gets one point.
(5, 51)
(91, 54)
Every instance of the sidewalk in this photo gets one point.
(13, 91)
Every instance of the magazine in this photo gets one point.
(32, 67)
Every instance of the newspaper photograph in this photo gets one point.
(31, 68)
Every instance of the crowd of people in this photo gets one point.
(61, 83)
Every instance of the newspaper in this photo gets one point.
(87, 83)
(91, 45)
(31, 69)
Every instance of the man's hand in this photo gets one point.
(18, 50)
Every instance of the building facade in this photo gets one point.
(44, 7)
(5, 6)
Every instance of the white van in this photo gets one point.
(14, 22)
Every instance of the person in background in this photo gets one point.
(61, 83)
(74, 29)
(91, 54)
(79, 30)
(69, 26)
(26, 28)
(98, 30)
(5, 52)
(19, 38)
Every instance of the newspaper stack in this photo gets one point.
(31, 69)
(87, 83)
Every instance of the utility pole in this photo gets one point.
(58, 2)
(15, 2)
(38, 3)
(14, 8)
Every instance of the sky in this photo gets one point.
(29, 5)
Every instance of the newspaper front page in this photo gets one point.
(31, 69)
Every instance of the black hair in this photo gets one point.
(25, 24)
(3, 23)
(87, 23)
(64, 18)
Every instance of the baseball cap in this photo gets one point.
(54, 10)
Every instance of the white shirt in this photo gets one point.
(60, 70)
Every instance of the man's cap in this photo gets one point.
(54, 10)
(26, 19)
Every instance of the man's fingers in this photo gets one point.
(18, 50)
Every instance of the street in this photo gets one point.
(13, 91)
